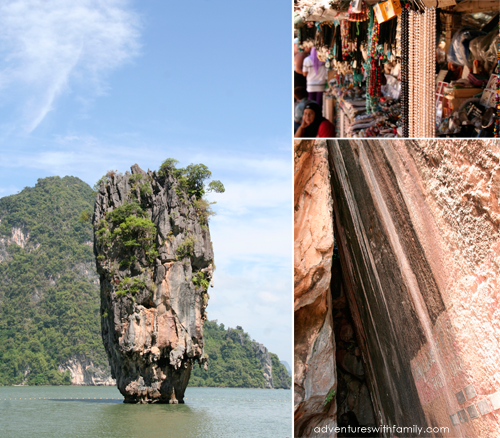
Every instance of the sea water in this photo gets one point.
(86, 411)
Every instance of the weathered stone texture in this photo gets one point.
(85, 372)
(262, 354)
(154, 336)
(314, 342)
(18, 237)
(417, 225)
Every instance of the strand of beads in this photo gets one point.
(414, 66)
(428, 109)
(497, 124)
(425, 74)
(404, 71)
(422, 95)
(421, 74)
(411, 74)
(422, 109)
(432, 74)
(374, 71)
(428, 86)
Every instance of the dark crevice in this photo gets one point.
(354, 403)
(371, 281)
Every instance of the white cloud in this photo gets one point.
(46, 44)
(242, 239)
(248, 164)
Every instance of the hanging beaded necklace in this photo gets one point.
(497, 123)
(418, 75)
(405, 14)
(372, 66)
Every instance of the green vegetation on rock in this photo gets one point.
(232, 361)
(191, 179)
(200, 280)
(49, 298)
(127, 225)
(281, 378)
(132, 285)
(329, 397)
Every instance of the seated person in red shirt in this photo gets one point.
(314, 125)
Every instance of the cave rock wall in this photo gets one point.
(314, 349)
(417, 224)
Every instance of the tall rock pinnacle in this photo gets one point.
(154, 258)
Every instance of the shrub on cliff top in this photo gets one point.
(104, 179)
(137, 184)
(192, 178)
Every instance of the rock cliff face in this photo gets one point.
(85, 372)
(262, 353)
(154, 257)
(18, 238)
(314, 351)
(418, 232)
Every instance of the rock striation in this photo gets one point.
(154, 258)
(417, 228)
(418, 232)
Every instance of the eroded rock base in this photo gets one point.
(149, 390)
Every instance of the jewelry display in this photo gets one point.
(386, 59)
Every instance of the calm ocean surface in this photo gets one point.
(78, 412)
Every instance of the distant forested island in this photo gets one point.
(49, 300)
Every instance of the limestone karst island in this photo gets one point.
(110, 285)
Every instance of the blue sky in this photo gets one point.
(90, 86)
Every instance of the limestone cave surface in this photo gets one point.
(411, 309)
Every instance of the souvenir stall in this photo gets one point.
(405, 68)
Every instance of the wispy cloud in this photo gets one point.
(45, 45)
(91, 157)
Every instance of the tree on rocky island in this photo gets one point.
(192, 177)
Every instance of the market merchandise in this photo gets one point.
(402, 68)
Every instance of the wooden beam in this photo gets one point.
(478, 6)
(439, 3)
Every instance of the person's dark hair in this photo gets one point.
(300, 93)
(312, 130)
